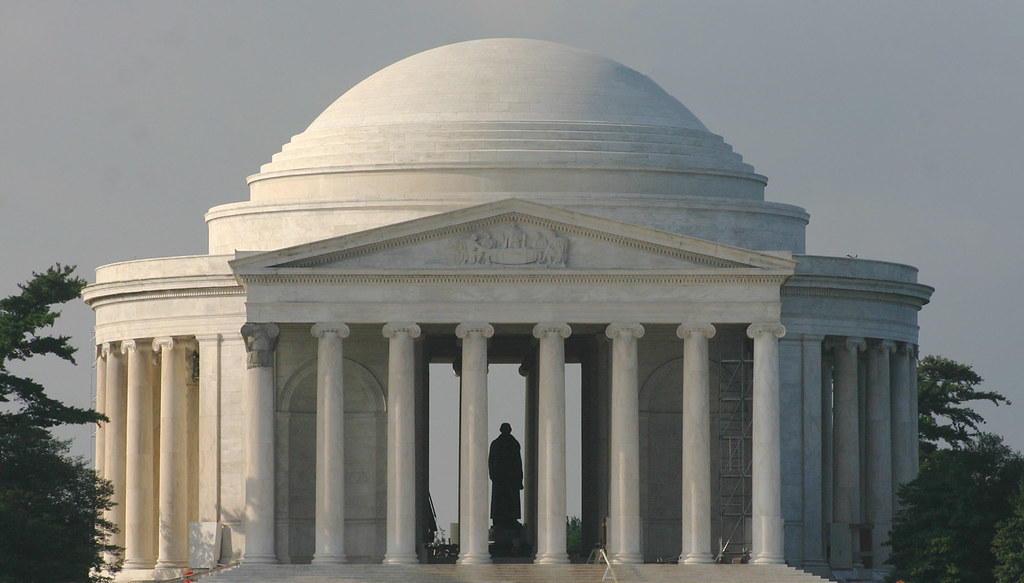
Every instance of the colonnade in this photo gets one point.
(146, 388)
(624, 504)
(876, 395)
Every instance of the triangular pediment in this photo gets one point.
(514, 235)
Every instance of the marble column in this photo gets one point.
(473, 478)
(551, 514)
(258, 404)
(209, 470)
(813, 447)
(116, 435)
(696, 443)
(904, 427)
(172, 546)
(330, 444)
(139, 528)
(401, 525)
(100, 444)
(528, 370)
(845, 539)
(878, 454)
(915, 462)
(624, 487)
(766, 471)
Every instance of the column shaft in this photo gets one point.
(878, 456)
(473, 479)
(904, 431)
(624, 487)
(140, 531)
(330, 444)
(100, 444)
(116, 437)
(551, 513)
(174, 478)
(696, 443)
(209, 428)
(401, 525)
(258, 403)
(814, 473)
(845, 541)
(766, 473)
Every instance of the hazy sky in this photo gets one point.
(898, 126)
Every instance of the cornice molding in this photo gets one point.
(120, 297)
(545, 277)
(830, 286)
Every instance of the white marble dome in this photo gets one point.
(480, 121)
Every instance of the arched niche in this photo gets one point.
(365, 464)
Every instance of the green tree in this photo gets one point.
(49, 501)
(944, 387)
(574, 536)
(944, 528)
(1008, 544)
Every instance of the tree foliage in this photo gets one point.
(51, 511)
(23, 318)
(944, 387)
(944, 528)
(51, 505)
(1008, 544)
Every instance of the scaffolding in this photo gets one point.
(734, 421)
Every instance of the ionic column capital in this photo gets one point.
(164, 343)
(108, 348)
(544, 328)
(686, 330)
(853, 343)
(909, 348)
(466, 328)
(883, 346)
(757, 329)
(616, 329)
(391, 329)
(128, 346)
(260, 342)
(324, 328)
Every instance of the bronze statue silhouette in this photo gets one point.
(505, 466)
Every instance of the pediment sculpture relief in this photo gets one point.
(512, 245)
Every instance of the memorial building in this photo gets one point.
(507, 201)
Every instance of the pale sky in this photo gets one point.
(897, 125)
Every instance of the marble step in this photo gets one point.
(507, 573)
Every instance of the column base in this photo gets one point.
(474, 559)
(323, 559)
(768, 559)
(166, 573)
(626, 558)
(260, 559)
(552, 559)
(137, 574)
(401, 560)
(171, 564)
(138, 565)
(696, 559)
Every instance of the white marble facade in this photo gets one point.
(507, 201)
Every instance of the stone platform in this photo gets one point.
(510, 573)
